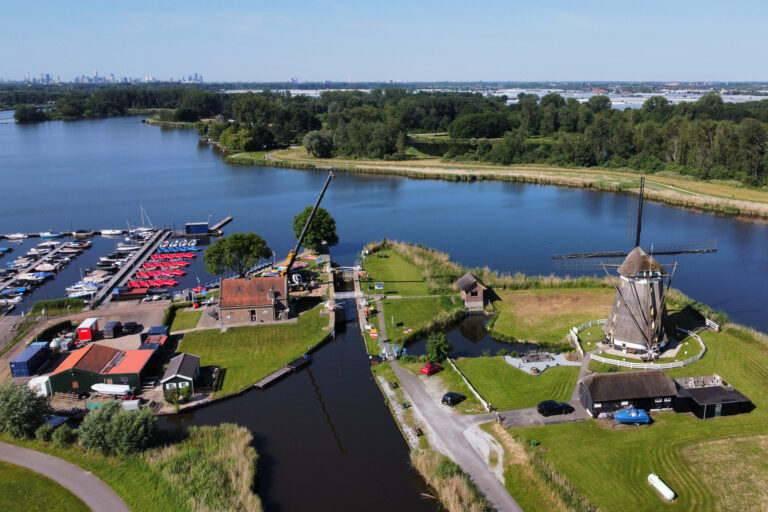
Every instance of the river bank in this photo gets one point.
(721, 198)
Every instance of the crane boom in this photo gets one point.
(292, 255)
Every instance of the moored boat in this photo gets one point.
(16, 236)
(632, 416)
(50, 234)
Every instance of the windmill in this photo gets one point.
(638, 318)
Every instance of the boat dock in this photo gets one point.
(105, 294)
(221, 223)
(9, 280)
(292, 367)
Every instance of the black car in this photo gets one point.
(129, 327)
(452, 398)
(550, 407)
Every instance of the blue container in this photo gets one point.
(196, 228)
(28, 362)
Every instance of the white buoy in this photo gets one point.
(659, 485)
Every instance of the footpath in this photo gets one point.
(96, 494)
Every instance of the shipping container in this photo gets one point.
(87, 330)
(31, 360)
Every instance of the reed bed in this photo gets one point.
(454, 488)
(214, 468)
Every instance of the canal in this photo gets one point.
(325, 435)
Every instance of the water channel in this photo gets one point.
(325, 436)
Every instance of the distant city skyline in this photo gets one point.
(342, 40)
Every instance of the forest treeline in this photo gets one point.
(709, 139)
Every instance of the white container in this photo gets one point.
(667, 493)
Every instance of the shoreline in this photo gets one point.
(660, 189)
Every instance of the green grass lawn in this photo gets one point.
(506, 387)
(591, 337)
(587, 453)
(372, 344)
(546, 315)
(399, 276)
(130, 477)
(185, 320)
(404, 314)
(25, 490)
(251, 353)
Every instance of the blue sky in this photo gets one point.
(394, 40)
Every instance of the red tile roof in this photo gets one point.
(100, 359)
(91, 358)
(252, 292)
(133, 362)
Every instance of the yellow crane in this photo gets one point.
(292, 255)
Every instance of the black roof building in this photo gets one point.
(710, 396)
(609, 392)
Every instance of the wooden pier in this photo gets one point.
(7, 282)
(139, 257)
(291, 367)
(74, 234)
(221, 223)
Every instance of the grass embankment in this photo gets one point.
(247, 158)
(371, 343)
(412, 267)
(23, 490)
(712, 196)
(130, 477)
(183, 320)
(411, 319)
(248, 354)
(456, 491)
(506, 387)
(546, 315)
(168, 124)
(522, 479)
(57, 306)
(213, 468)
(610, 467)
(210, 469)
(399, 277)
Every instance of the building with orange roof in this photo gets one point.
(97, 364)
(254, 299)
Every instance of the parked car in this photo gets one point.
(431, 368)
(550, 407)
(113, 330)
(452, 398)
(129, 327)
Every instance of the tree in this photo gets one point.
(319, 143)
(599, 103)
(21, 410)
(132, 431)
(95, 428)
(438, 347)
(29, 114)
(322, 229)
(237, 253)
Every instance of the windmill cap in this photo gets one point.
(639, 261)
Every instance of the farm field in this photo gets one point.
(546, 315)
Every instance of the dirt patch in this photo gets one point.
(529, 307)
(733, 470)
(489, 450)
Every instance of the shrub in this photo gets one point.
(514, 353)
(44, 432)
(502, 352)
(21, 410)
(109, 429)
(63, 436)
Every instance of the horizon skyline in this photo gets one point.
(343, 41)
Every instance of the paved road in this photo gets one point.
(95, 493)
(449, 429)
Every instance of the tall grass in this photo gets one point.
(455, 490)
(439, 272)
(214, 468)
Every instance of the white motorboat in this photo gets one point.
(16, 236)
(111, 389)
(111, 232)
(127, 247)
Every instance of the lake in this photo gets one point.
(325, 436)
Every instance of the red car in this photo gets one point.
(431, 368)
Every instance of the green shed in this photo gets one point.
(182, 372)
